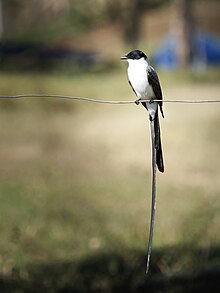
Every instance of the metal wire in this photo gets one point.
(101, 101)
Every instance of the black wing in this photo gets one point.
(154, 82)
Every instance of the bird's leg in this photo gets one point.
(137, 102)
(151, 101)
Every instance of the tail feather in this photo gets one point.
(159, 153)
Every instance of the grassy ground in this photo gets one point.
(75, 183)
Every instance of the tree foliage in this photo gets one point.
(48, 19)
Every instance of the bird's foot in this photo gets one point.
(137, 102)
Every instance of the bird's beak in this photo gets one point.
(123, 58)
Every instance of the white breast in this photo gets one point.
(137, 74)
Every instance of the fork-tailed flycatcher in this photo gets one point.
(145, 83)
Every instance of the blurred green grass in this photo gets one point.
(75, 177)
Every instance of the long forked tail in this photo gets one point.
(157, 160)
(158, 146)
(153, 196)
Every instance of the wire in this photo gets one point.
(65, 97)
(102, 101)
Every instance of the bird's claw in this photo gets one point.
(137, 102)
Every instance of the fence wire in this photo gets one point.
(113, 102)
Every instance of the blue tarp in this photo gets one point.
(205, 51)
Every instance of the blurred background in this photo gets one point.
(75, 177)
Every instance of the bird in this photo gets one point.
(145, 83)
